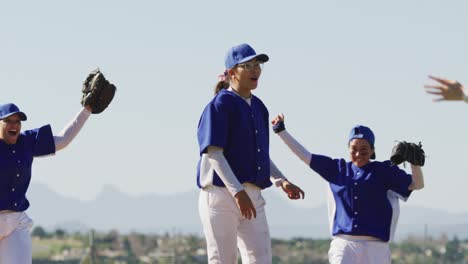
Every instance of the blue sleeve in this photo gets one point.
(330, 169)
(41, 140)
(398, 180)
(213, 125)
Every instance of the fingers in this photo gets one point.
(441, 80)
(249, 212)
(278, 118)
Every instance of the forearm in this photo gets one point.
(72, 129)
(276, 176)
(224, 171)
(296, 147)
(417, 182)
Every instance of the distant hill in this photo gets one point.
(152, 213)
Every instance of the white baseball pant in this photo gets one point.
(15, 240)
(346, 251)
(226, 229)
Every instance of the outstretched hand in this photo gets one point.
(245, 205)
(293, 191)
(446, 90)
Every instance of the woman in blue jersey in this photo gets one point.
(17, 151)
(363, 196)
(234, 166)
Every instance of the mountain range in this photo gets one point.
(152, 213)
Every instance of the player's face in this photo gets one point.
(360, 151)
(245, 75)
(10, 129)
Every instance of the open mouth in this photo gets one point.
(254, 79)
(12, 133)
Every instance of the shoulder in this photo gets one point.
(35, 131)
(386, 166)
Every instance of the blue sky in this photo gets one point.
(333, 64)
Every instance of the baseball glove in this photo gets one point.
(97, 92)
(410, 152)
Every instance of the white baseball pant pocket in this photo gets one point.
(8, 223)
(254, 235)
(16, 247)
(220, 217)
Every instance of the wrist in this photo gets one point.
(465, 95)
(278, 127)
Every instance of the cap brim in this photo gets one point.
(22, 116)
(259, 57)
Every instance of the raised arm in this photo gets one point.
(72, 129)
(417, 182)
(296, 147)
(446, 90)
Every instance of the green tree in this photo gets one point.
(40, 232)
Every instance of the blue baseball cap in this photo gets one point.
(9, 109)
(242, 53)
(363, 132)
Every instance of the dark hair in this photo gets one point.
(220, 85)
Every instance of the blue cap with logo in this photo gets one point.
(9, 109)
(363, 132)
(242, 53)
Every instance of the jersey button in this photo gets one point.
(355, 183)
(355, 197)
(19, 161)
(258, 150)
(15, 204)
(355, 226)
(259, 168)
(355, 213)
(14, 151)
(256, 131)
(17, 175)
(12, 189)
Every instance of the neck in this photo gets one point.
(245, 93)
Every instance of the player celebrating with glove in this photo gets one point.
(363, 202)
(17, 151)
(234, 166)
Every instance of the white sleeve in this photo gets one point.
(276, 176)
(221, 166)
(70, 131)
(296, 147)
(417, 177)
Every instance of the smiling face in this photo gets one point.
(360, 151)
(10, 128)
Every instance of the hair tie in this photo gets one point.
(222, 77)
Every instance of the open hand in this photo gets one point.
(447, 90)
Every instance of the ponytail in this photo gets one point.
(220, 85)
(223, 83)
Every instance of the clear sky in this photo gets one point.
(333, 64)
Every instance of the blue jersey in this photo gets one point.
(242, 131)
(15, 166)
(361, 195)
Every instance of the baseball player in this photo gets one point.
(17, 152)
(447, 90)
(363, 207)
(234, 165)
